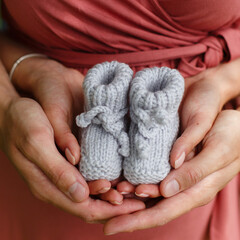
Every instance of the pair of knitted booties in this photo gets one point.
(107, 146)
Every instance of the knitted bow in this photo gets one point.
(111, 123)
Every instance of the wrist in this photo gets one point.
(226, 78)
(21, 59)
(31, 70)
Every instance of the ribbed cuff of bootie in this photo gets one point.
(106, 88)
(155, 96)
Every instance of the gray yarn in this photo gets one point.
(155, 96)
(104, 140)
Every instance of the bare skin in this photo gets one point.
(29, 140)
(59, 92)
(201, 122)
(208, 171)
(203, 100)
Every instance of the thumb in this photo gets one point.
(199, 111)
(195, 131)
(64, 138)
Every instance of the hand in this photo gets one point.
(205, 95)
(207, 173)
(59, 91)
(27, 138)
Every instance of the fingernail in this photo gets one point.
(103, 190)
(172, 188)
(141, 194)
(116, 202)
(180, 160)
(70, 157)
(77, 192)
(124, 193)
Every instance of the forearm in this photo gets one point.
(10, 51)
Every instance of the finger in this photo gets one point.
(125, 187)
(112, 196)
(57, 103)
(39, 147)
(60, 118)
(103, 210)
(89, 210)
(196, 129)
(37, 144)
(191, 155)
(147, 190)
(200, 108)
(171, 208)
(214, 156)
(99, 186)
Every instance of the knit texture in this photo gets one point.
(104, 140)
(155, 96)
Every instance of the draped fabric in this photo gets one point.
(189, 35)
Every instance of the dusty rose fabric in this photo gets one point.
(25, 218)
(190, 35)
(141, 33)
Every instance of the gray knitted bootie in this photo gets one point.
(155, 96)
(104, 141)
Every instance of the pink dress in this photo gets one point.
(189, 35)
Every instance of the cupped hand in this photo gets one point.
(59, 92)
(205, 95)
(27, 138)
(208, 173)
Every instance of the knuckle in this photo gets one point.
(55, 109)
(197, 118)
(90, 218)
(201, 119)
(224, 149)
(34, 136)
(93, 216)
(39, 133)
(205, 200)
(31, 140)
(58, 176)
(193, 176)
(223, 152)
(61, 178)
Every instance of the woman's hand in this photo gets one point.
(59, 92)
(199, 180)
(205, 95)
(27, 138)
